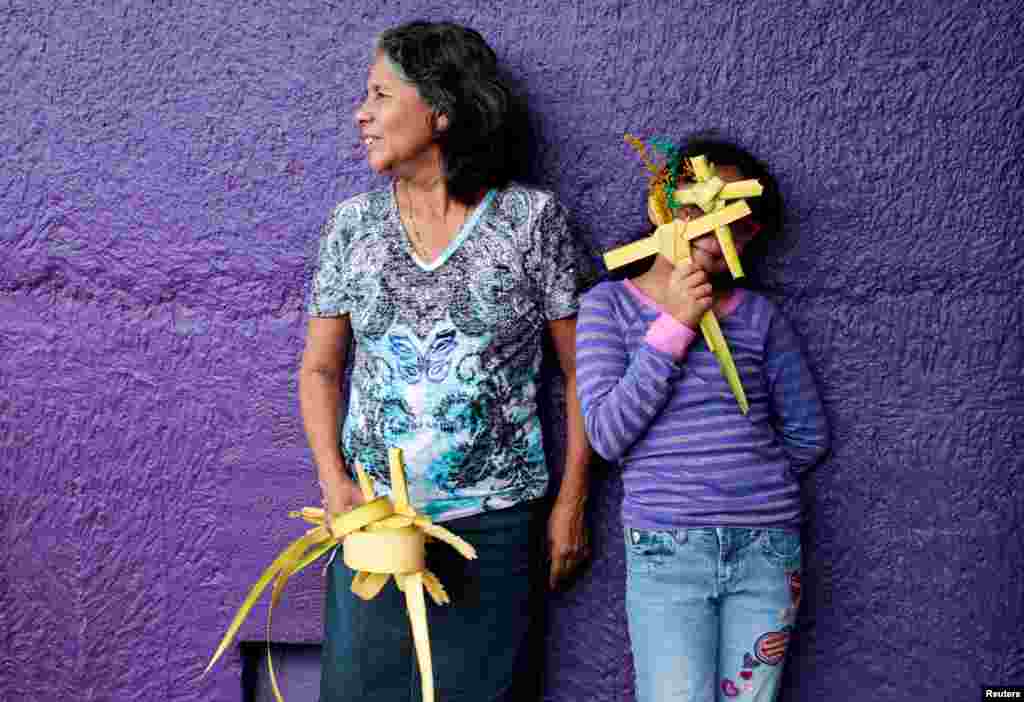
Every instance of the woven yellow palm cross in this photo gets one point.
(672, 240)
(382, 539)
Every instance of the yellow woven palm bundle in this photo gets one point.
(672, 237)
(382, 539)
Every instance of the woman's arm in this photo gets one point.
(323, 366)
(621, 396)
(568, 542)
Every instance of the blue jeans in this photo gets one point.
(710, 611)
(482, 644)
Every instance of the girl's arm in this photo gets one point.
(800, 420)
(621, 396)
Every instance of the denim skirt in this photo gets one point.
(484, 644)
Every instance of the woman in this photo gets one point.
(443, 283)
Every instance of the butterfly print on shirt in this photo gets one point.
(433, 363)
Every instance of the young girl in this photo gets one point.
(712, 497)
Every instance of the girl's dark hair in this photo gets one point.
(456, 74)
(766, 210)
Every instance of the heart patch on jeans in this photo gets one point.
(771, 647)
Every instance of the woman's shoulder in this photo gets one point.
(374, 203)
(517, 201)
(515, 189)
(359, 215)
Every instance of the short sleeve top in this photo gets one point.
(447, 354)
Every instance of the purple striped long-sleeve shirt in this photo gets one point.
(655, 401)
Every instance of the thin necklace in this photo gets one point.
(418, 246)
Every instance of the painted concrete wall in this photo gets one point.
(166, 167)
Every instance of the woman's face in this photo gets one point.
(707, 252)
(395, 124)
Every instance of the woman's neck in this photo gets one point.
(431, 215)
(424, 182)
(431, 196)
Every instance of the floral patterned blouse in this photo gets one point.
(447, 354)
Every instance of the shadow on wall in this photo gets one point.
(524, 161)
(296, 667)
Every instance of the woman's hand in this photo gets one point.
(568, 541)
(689, 294)
(340, 496)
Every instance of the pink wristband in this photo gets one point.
(668, 335)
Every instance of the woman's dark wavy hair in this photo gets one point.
(766, 210)
(456, 74)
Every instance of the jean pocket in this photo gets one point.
(649, 549)
(781, 548)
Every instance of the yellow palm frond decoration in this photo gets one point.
(382, 539)
(672, 239)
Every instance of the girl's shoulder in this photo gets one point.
(756, 301)
(613, 296)
(606, 290)
(757, 310)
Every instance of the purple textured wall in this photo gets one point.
(166, 167)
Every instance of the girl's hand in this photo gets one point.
(689, 294)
